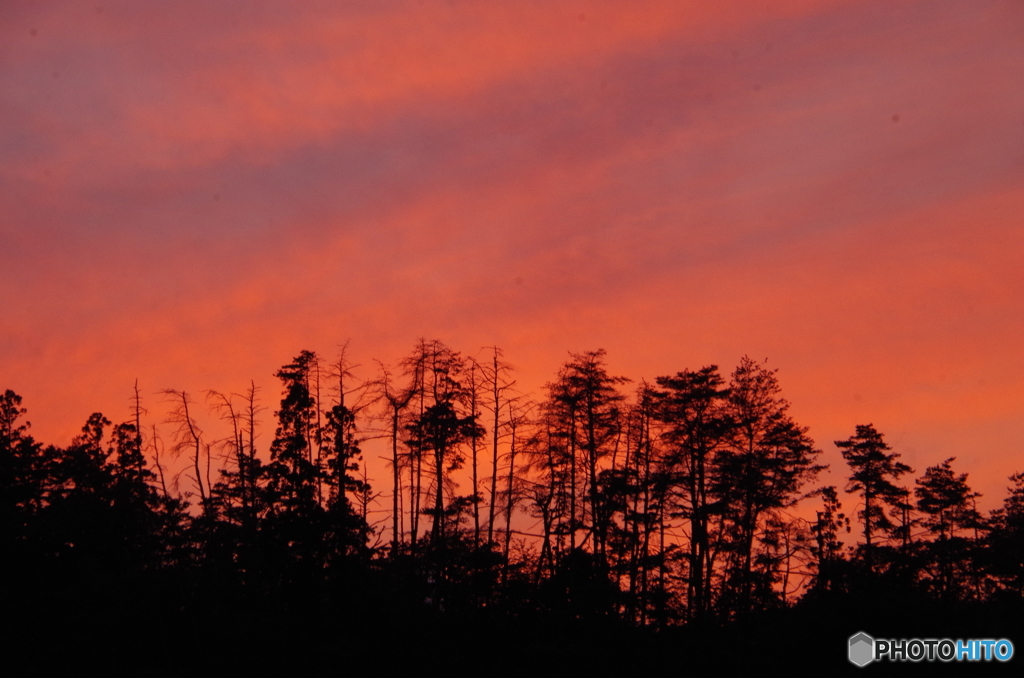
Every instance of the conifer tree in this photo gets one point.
(22, 472)
(1006, 540)
(948, 502)
(293, 474)
(440, 430)
(697, 427)
(828, 547)
(873, 468)
(583, 411)
(763, 468)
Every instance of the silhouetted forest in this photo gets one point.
(602, 523)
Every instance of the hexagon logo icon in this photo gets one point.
(862, 649)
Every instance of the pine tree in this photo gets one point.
(441, 430)
(767, 462)
(948, 502)
(697, 427)
(873, 469)
(22, 476)
(947, 499)
(584, 406)
(828, 548)
(1006, 540)
(294, 527)
(293, 474)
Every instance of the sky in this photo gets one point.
(193, 192)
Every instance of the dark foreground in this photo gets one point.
(170, 626)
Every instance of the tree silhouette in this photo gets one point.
(497, 382)
(697, 426)
(947, 499)
(397, 400)
(873, 469)
(767, 462)
(445, 422)
(238, 495)
(637, 491)
(22, 474)
(1006, 540)
(673, 506)
(585, 408)
(293, 474)
(831, 522)
(189, 437)
(948, 502)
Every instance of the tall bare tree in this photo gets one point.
(188, 436)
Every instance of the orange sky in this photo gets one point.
(192, 192)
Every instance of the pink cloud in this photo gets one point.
(197, 195)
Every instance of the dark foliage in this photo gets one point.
(665, 533)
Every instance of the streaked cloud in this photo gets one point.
(191, 193)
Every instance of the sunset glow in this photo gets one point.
(193, 192)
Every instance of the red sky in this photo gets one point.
(193, 192)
